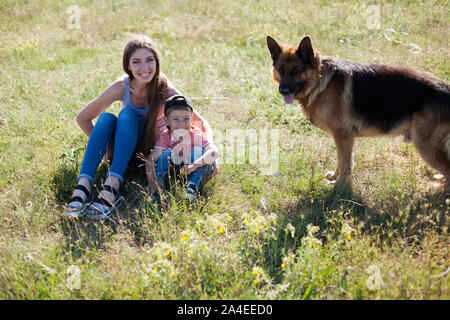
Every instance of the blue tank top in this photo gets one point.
(126, 99)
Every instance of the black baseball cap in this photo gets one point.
(177, 100)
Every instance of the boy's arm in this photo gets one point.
(155, 154)
(210, 155)
(150, 169)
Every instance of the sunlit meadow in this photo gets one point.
(288, 235)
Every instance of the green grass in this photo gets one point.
(251, 236)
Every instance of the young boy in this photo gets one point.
(182, 146)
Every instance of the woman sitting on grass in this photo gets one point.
(143, 92)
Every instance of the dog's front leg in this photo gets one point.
(332, 175)
(344, 145)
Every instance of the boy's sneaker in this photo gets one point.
(190, 194)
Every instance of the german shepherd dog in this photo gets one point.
(349, 100)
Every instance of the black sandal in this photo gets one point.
(78, 203)
(103, 206)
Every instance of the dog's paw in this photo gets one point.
(331, 175)
(438, 176)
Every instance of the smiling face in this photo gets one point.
(142, 65)
(179, 119)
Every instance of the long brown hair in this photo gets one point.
(156, 89)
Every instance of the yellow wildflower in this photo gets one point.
(291, 229)
(255, 272)
(220, 230)
(283, 265)
(349, 236)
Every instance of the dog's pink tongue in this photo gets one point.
(289, 99)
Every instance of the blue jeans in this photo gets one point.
(124, 133)
(193, 180)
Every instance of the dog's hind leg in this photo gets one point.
(443, 161)
(344, 145)
(435, 151)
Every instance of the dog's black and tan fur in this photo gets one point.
(349, 100)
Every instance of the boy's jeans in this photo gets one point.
(193, 180)
(124, 133)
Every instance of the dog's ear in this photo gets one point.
(306, 51)
(274, 47)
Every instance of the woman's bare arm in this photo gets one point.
(92, 110)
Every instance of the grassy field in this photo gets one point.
(289, 235)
